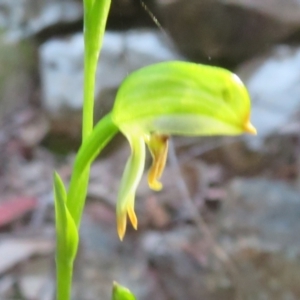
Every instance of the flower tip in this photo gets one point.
(122, 221)
(154, 184)
(132, 217)
(250, 128)
(121, 234)
(121, 226)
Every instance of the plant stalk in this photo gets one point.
(64, 280)
(103, 132)
(96, 14)
(95, 18)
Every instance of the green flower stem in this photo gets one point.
(90, 66)
(95, 18)
(64, 274)
(96, 13)
(69, 207)
(103, 132)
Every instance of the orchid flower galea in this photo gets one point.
(173, 98)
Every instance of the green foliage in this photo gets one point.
(67, 235)
(69, 206)
(66, 240)
(95, 17)
(121, 293)
(152, 103)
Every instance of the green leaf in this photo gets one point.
(121, 293)
(66, 241)
(66, 231)
(183, 98)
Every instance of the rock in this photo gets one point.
(227, 32)
(265, 209)
(184, 265)
(17, 75)
(27, 18)
(260, 229)
(287, 11)
(129, 14)
(6, 285)
(272, 81)
(62, 65)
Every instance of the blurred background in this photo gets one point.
(227, 223)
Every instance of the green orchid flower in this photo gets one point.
(173, 98)
(170, 98)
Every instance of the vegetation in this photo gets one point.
(151, 104)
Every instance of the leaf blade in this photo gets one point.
(66, 240)
(121, 293)
(66, 230)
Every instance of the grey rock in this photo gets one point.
(255, 254)
(227, 32)
(186, 269)
(259, 228)
(268, 210)
(61, 69)
(287, 11)
(17, 84)
(24, 18)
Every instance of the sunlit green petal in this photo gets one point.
(183, 98)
